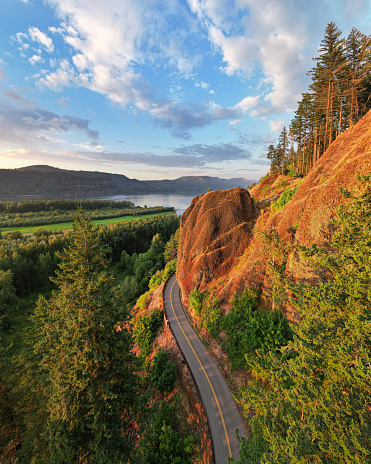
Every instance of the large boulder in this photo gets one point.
(215, 231)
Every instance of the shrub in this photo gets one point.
(161, 443)
(141, 302)
(207, 307)
(169, 269)
(196, 300)
(146, 330)
(249, 329)
(156, 279)
(163, 372)
(283, 199)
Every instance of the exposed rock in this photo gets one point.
(306, 219)
(215, 230)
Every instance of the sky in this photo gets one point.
(156, 89)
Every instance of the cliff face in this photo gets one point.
(305, 220)
(215, 231)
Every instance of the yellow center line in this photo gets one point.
(203, 369)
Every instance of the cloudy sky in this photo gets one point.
(157, 88)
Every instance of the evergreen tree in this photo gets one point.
(171, 248)
(274, 155)
(86, 354)
(358, 69)
(326, 75)
(283, 148)
(314, 404)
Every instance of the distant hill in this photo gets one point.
(46, 181)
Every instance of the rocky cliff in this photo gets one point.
(215, 231)
(229, 258)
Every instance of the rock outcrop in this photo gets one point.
(305, 220)
(215, 230)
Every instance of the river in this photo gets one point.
(179, 202)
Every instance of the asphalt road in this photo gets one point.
(222, 413)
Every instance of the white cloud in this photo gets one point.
(276, 125)
(247, 103)
(40, 37)
(35, 59)
(238, 52)
(277, 37)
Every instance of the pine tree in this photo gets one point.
(86, 354)
(171, 248)
(358, 70)
(312, 403)
(283, 146)
(326, 78)
(275, 156)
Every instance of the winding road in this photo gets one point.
(222, 413)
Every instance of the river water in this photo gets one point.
(179, 202)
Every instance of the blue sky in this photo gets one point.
(157, 89)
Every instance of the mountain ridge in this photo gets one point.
(49, 181)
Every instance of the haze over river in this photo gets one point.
(179, 202)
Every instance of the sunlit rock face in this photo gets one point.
(215, 230)
(219, 242)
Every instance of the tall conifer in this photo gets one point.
(86, 353)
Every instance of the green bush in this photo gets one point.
(249, 329)
(156, 279)
(206, 306)
(146, 330)
(161, 443)
(141, 301)
(196, 300)
(163, 372)
(169, 269)
(283, 199)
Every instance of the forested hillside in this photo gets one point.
(72, 388)
(46, 181)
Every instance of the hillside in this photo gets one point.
(46, 181)
(305, 220)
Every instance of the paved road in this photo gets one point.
(222, 413)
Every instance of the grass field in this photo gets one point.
(68, 225)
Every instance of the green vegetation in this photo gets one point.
(312, 400)
(61, 226)
(206, 306)
(250, 330)
(163, 372)
(15, 214)
(247, 327)
(85, 355)
(146, 329)
(285, 197)
(32, 260)
(40, 206)
(161, 443)
(69, 388)
(171, 248)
